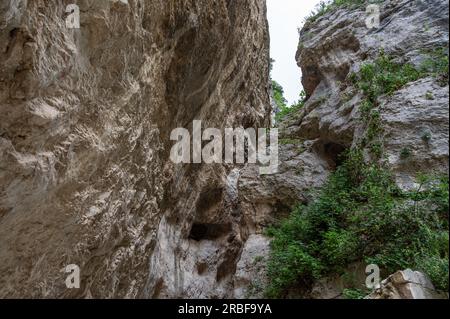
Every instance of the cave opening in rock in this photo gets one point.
(205, 231)
(333, 153)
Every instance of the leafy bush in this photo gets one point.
(437, 270)
(360, 214)
(339, 246)
(405, 153)
(278, 95)
(283, 109)
(286, 110)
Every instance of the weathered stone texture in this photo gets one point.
(86, 115)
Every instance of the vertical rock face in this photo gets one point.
(338, 44)
(86, 116)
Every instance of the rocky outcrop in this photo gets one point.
(334, 286)
(407, 284)
(331, 48)
(264, 200)
(337, 44)
(85, 175)
(251, 278)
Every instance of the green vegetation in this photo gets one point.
(436, 64)
(426, 136)
(360, 214)
(354, 294)
(278, 94)
(284, 110)
(384, 76)
(327, 6)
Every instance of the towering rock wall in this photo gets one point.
(413, 119)
(86, 116)
(338, 44)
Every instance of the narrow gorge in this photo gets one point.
(86, 176)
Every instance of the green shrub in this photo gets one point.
(437, 270)
(286, 110)
(436, 64)
(339, 246)
(426, 136)
(278, 95)
(354, 294)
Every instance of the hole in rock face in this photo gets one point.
(201, 268)
(13, 33)
(200, 231)
(333, 152)
(310, 80)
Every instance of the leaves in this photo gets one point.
(360, 214)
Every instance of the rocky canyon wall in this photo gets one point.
(86, 116)
(338, 44)
(333, 47)
(85, 175)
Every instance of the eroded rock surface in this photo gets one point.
(251, 277)
(414, 118)
(86, 115)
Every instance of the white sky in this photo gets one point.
(285, 16)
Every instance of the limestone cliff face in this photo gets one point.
(331, 48)
(338, 44)
(85, 175)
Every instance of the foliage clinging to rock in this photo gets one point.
(360, 213)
